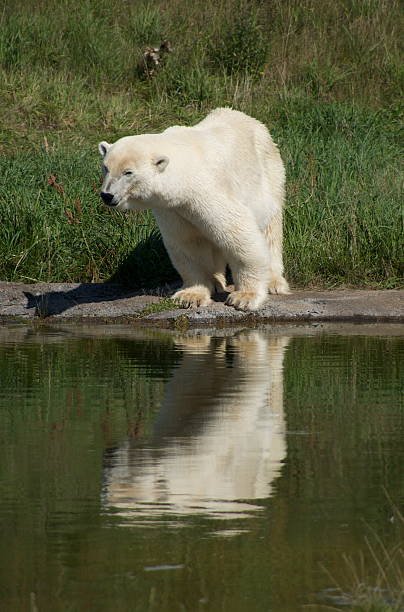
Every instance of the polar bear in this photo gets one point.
(216, 190)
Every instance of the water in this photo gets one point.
(233, 471)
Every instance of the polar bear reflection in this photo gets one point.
(219, 438)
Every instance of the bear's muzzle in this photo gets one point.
(108, 198)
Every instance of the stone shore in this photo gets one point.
(111, 303)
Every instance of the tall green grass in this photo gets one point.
(326, 77)
(54, 227)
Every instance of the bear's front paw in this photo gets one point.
(193, 297)
(245, 300)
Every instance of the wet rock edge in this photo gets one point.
(103, 303)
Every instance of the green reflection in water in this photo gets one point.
(206, 472)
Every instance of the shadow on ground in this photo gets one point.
(51, 303)
(146, 267)
(147, 270)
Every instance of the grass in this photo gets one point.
(326, 77)
(376, 588)
(161, 306)
(57, 233)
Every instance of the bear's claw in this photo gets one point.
(192, 298)
(245, 300)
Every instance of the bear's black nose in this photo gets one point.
(107, 198)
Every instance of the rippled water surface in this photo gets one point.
(226, 472)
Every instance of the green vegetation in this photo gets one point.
(326, 77)
(160, 306)
(385, 569)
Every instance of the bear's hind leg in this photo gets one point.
(219, 273)
(277, 283)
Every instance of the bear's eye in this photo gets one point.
(127, 172)
(104, 170)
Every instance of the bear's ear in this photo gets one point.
(103, 148)
(161, 162)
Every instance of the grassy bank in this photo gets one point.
(324, 76)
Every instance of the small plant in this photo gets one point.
(160, 306)
(374, 587)
(42, 306)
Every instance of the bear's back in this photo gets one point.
(227, 152)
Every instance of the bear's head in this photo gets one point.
(132, 170)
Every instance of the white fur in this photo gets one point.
(218, 439)
(216, 190)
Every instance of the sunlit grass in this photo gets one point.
(325, 77)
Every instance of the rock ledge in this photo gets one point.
(102, 302)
